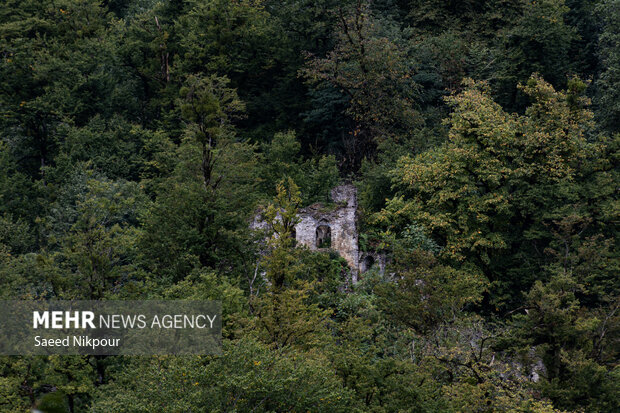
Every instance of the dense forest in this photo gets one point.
(140, 138)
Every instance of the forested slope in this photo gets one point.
(138, 139)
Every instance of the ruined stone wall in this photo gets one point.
(341, 219)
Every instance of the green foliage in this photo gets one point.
(539, 42)
(208, 285)
(470, 192)
(199, 217)
(92, 237)
(315, 176)
(208, 106)
(374, 74)
(425, 293)
(479, 18)
(248, 376)
(18, 194)
(573, 343)
(188, 225)
(139, 139)
(609, 81)
(50, 73)
(286, 318)
(282, 218)
(53, 403)
(15, 235)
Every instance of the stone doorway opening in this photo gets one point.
(323, 236)
(368, 262)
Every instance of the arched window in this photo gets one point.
(368, 262)
(323, 236)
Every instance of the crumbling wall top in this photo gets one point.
(346, 194)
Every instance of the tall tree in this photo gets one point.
(374, 75)
(608, 84)
(490, 194)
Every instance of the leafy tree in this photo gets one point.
(199, 217)
(209, 106)
(472, 18)
(374, 75)
(609, 81)
(248, 376)
(92, 240)
(488, 194)
(539, 42)
(315, 176)
(282, 217)
(49, 72)
(473, 375)
(139, 138)
(425, 294)
(18, 194)
(234, 39)
(572, 342)
(19, 382)
(145, 49)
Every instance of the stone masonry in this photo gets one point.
(321, 228)
(341, 221)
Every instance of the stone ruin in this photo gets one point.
(334, 227)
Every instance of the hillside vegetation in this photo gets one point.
(138, 138)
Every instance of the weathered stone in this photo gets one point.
(339, 222)
(335, 227)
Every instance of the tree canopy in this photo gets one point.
(140, 139)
